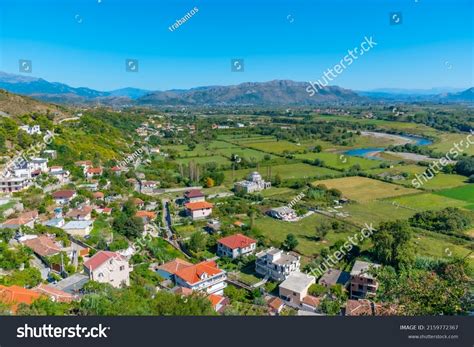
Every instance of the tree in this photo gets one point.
(209, 182)
(471, 179)
(392, 244)
(322, 230)
(290, 242)
(277, 180)
(197, 242)
(465, 166)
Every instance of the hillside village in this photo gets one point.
(220, 211)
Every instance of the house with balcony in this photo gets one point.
(203, 277)
(235, 246)
(295, 288)
(362, 282)
(108, 267)
(276, 264)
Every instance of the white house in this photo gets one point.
(205, 277)
(31, 130)
(78, 228)
(276, 264)
(235, 246)
(199, 210)
(108, 267)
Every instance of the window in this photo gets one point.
(122, 267)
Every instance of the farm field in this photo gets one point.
(304, 230)
(442, 181)
(411, 128)
(464, 193)
(375, 212)
(286, 171)
(440, 246)
(277, 147)
(446, 141)
(247, 153)
(340, 161)
(426, 201)
(220, 160)
(364, 189)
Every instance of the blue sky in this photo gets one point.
(86, 42)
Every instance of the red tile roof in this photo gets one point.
(174, 266)
(236, 241)
(311, 300)
(215, 300)
(193, 193)
(43, 246)
(200, 205)
(94, 170)
(192, 274)
(83, 162)
(359, 308)
(116, 169)
(79, 212)
(54, 293)
(100, 258)
(275, 303)
(63, 194)
(15, 295)
(145, 214)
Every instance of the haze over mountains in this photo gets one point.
(272, 93)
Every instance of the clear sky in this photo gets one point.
(86, 42)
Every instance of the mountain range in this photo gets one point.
(272, 93)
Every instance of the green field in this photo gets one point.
(277, 147)
(375, 212)
(247, 153)
(340, 161)
(446, 141)
(464, 193)
(304, 230)
(201, 160)
(442, 181)
(364, 189)
(426, 201)
(287, 171)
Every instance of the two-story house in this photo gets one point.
(276, 264)
(363, 283)
(235, 246)
(204, 277)
(108, 267)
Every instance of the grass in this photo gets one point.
(375, 212)
(446, 141)
(246, 153)
(277, 147)
(443, 181)
(219, 160)
(464, 193)
(426, 201)
(304, 230)
(364, 189)
(340, 161)
(441, 246)
(286, 171)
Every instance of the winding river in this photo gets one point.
(369, 152)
